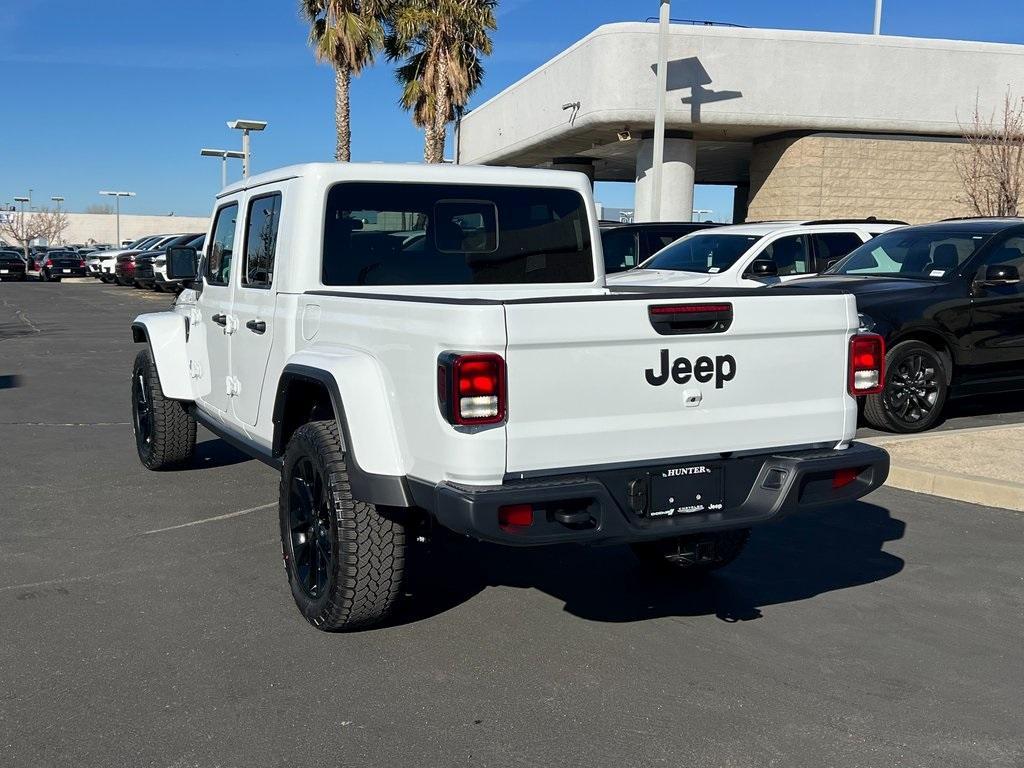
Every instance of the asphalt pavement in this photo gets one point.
(146, 620)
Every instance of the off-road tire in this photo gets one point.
(881, 411)
(367, 543)
(170, 439)
(693, 554)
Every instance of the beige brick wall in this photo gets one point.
(830, 176)
(102, 228)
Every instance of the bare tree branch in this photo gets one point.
(991, 166)
(25, 226)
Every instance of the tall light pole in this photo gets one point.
(117, 197)
(223, 154)
(878, 17)
(21, 223)
(245, 126)
(58, 199)
(659, 111)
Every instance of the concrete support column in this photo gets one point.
(679, 170)
(740, 200)
(584, 165)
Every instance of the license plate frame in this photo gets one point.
(686, 490)
(5, 271)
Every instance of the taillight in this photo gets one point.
(81, 263)
(471, 389)
(867, 364)
(49, 263)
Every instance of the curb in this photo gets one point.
(909, 476)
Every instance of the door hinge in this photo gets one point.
(195, 370)
(233, 386)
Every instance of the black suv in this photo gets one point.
(626, 245)
(948, 299)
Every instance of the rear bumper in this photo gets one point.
(597, 506)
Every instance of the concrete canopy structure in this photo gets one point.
(805, 124)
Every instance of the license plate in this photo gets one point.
(66, 271)
(686, 490)
(4, 272)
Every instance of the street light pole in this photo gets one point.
(58, 199)
(21, 222)
(117, 196)
(223, 154)
(878, 17)
(659, 112)
(245, 126)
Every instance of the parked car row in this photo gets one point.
(46, 263)
(143, 264)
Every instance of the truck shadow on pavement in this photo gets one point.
(214, 453)
(798, 558)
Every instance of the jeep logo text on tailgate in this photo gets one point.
(722, 369)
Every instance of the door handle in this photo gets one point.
(257, 326)
(220, 319)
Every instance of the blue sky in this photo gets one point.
(110, 93)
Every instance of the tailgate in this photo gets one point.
(587, 380)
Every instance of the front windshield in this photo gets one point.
(921, 254)
(707, 254)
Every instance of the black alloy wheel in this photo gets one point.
(310, 529)
(916, 386)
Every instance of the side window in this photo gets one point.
(1010, 252)
(658, 240)
(620, 251)
(261, 241)
(829, 247)
(789, 254)
(218, 261)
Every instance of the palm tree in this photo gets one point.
(441, 43)
(345, 34)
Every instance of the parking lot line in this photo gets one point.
(210, 519)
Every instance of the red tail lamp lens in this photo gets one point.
(844, 477)
(515, 517)
(867, 364)
(471, 388)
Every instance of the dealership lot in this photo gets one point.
(146, 620)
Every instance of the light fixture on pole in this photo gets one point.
(245, 126)
(878, 17)
(659, 112)
(223, 154)
(117, 196)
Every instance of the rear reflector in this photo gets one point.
(471, 389)
(867, 364)
(843, 477)
(515, 517)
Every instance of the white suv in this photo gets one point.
(753, 255)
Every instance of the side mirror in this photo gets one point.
(182, 262)
(764, 268)
(998, 274)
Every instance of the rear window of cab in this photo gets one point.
(379, 233)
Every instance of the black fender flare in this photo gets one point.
(385, 490)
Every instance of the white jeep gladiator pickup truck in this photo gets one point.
(417, 345)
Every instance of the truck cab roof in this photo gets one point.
(329, 173)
